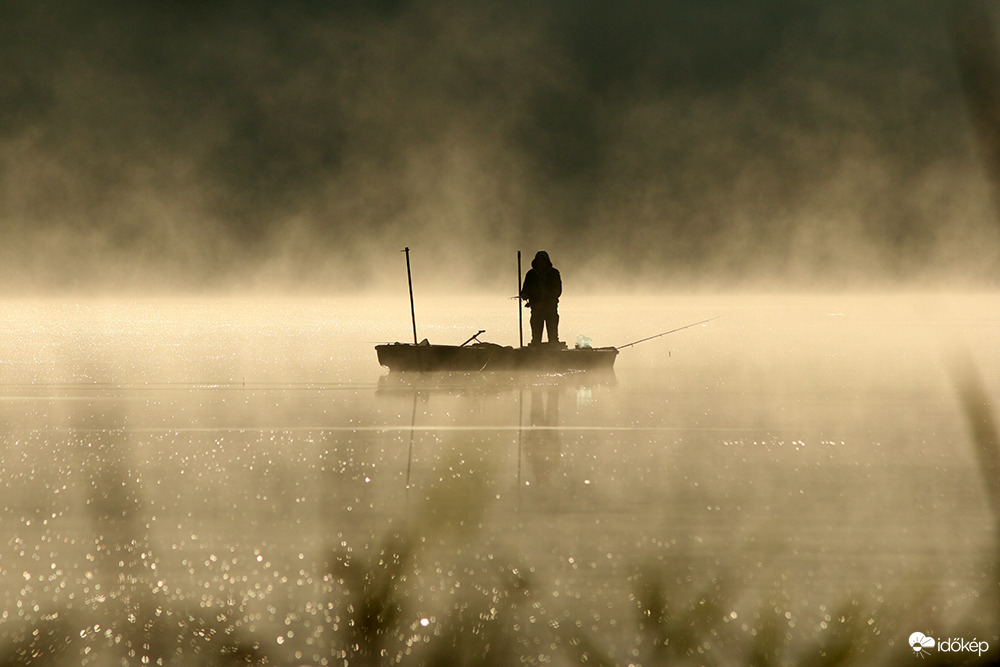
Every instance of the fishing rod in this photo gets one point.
(686, 326)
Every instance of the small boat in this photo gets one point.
(474, 355)
(480, 356)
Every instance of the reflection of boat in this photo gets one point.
(492, 357)
(474, 383)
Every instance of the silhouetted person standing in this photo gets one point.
(542, 288)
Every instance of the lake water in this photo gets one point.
(236, 481)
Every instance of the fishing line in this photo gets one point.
(686, 326)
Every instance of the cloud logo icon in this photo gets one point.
(921, 643)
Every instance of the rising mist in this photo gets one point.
(213, 145)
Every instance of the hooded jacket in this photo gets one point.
(542, 285)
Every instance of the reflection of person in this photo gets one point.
(541, 289)
(543, 445)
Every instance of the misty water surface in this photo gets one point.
(235, 477)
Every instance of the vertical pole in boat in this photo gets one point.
(520, 308)
(409, 282)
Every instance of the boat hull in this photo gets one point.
(407, 357)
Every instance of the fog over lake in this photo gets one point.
(202, 208)
(658, 144)
(237, 478)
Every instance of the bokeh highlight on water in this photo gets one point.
(236, 481)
